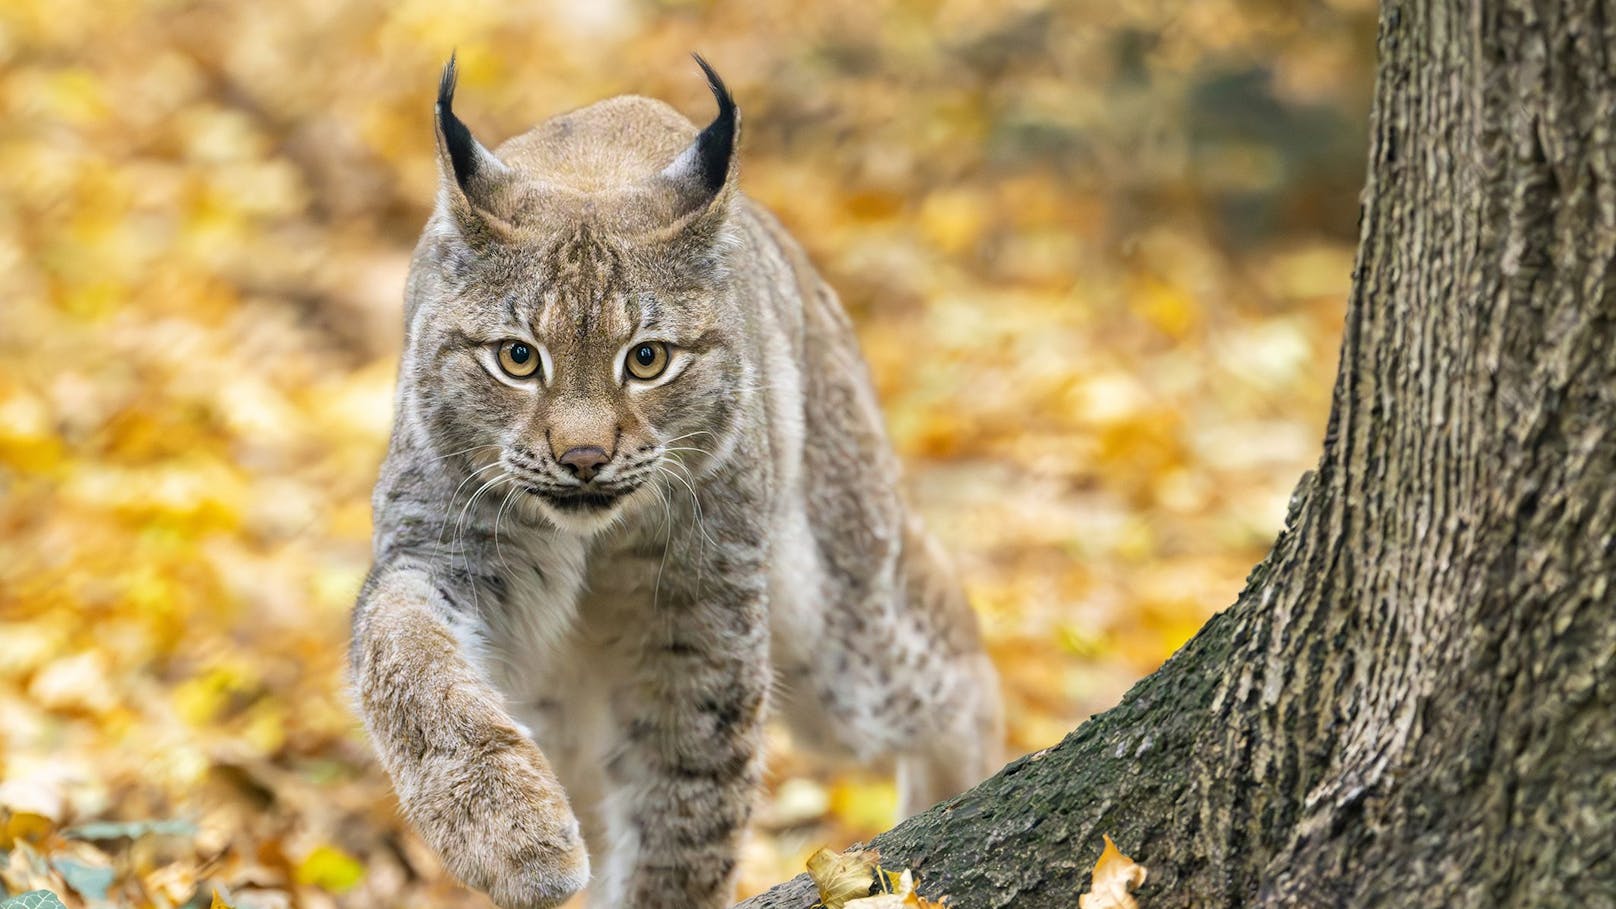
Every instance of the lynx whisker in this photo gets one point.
(515, 488)
(455, 495)
(437, 547)
(476, 601)
(460, 452)
(667, 540)
(699, 432)
(701, 529)
(695, 500)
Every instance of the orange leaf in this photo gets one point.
(1115, 877)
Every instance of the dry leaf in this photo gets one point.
(173, 884)
(901, 895)
(218, 902)
(901, 889)
(881, 901)
(1115, 876)
(842, 876)
(23, 825)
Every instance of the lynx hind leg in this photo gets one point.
(964, 743)
(963, 750)
(897, 673)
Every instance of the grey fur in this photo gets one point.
(758, 549)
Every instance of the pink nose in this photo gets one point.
(584, 461)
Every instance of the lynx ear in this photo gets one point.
(475, 180)
(706, 168)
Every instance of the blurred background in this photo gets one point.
(1097, 253)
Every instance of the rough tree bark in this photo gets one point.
(1413, 702)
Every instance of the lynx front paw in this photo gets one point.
(501, 822)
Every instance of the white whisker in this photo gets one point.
(667, 539)
(460, 452)
(699, 432)
(497, 515)
(695, 500)
(456, 494)
(437, 548)
(476, 601)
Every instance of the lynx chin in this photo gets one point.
(637, 498)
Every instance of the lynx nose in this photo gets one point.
(584, 461)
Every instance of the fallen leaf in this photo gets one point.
(330, 869)
(864, 803)
(112, 830)
(90, 880)
(1115, 876)
(75, 683)
(881, 901)
(842, 876)
(902, 895)
(899, 888)
(34, 899)
(844, 881)
(174, 884)
(23, 826)
(218, 902)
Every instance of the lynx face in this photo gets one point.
(588, 368)
(572, 319)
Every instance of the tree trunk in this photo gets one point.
(1413, 702)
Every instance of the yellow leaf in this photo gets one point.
(218, 902)
(866, 805)
(25, 826)
(330, 869)
(900, 883)
(842, 876)
(1168, 308)
(953, 219)
(1115, 876)
(844, 882)
(899, 886)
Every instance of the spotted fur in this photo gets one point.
(556, 669)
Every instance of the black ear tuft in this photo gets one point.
(716, 143)
(461, 146)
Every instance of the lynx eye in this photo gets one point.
(647, 360)
(518, 358)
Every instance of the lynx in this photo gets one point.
(637, 497)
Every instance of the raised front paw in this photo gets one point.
(501, 822)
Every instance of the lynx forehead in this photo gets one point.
(637, 486)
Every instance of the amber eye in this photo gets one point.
(647, 360)
(518, 359)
